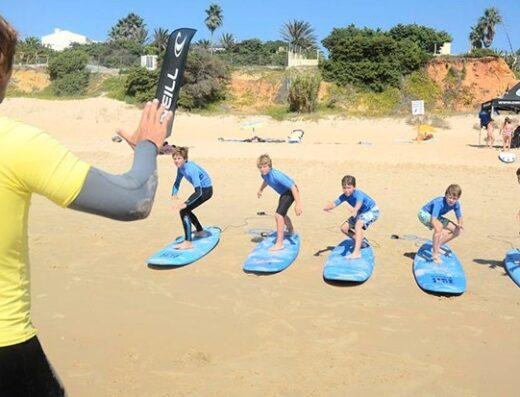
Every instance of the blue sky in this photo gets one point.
(262, 19)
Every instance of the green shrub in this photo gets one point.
(205, 80)
(66, 62)
(68, 73)
(303, 92)
(141, 84)
(71, 84)
(482, 52)
(417, 86)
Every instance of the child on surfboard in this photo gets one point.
(365, 212)
(444, 230)
(201, 182)
(289, 193)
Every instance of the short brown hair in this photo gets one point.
(453, 190)
(180, 151)
(348, 180)
(8, 40)
(264, 159)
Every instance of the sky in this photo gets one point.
(263, 18)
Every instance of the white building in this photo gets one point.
(61, 39)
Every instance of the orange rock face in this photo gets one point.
(473, 80)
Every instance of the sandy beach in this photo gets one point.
(111, 326)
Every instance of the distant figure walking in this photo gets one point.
(486, 121)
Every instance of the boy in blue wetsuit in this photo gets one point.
(444, 230)
(289, 193)
(365, 212)
(201, 182)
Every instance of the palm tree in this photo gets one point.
(214, 18)
(227, 40)
(160, 39)
(204, 43)
(475, 36)
(130, 27)
(491, 18)
(141, 36)
(298, 34)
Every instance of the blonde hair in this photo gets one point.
(453, 190)
(180, 151)
(8, 39)
(264, 159)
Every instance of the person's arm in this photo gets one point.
(297, 200)
(176, 184)
(436, 213)
(331, 205)
(128, 196)
(458, 214)
(262, 187)
(197, 185)
(437, 225)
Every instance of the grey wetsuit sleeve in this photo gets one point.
(123, 197)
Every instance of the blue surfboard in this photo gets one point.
(337, 268)
(445, 278)
(170, 256)
(261, 260)
(512, 264)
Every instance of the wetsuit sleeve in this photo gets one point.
(339, 200)
(458, 210)
(436, 208)
(195, 180)
(177, 183)
(123, 197)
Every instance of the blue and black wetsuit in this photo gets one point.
(201, 182)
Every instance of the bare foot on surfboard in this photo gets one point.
(352, 256)
(437, 259)
(185, 245)
(276, 247)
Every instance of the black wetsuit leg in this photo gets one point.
(188, 217)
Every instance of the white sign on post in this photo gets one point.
(417, 108)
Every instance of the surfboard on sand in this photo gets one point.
(337, 268)
(261, 260)
(507, 157)
(512, 264)
(445, 278)
(170, 256)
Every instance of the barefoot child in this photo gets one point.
(487, 122)
(507, 133)
(444, 230)
(365, 212)
(201, 182)
(288, 192)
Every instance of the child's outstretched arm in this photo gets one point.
(330, 206)
(297, 200)
(262, 187)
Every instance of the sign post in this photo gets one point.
(418, 110)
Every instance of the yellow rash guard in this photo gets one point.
(30, 162)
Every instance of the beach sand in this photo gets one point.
(111, 326)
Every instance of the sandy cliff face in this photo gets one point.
(465, 83)
(470, 81)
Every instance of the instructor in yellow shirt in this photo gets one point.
(33, 162)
